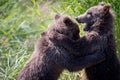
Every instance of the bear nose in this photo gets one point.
(76, 19)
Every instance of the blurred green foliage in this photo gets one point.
(22, 21)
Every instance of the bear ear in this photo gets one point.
(67, 21)
(101, 3)
(57, 16)
(106, 9)
(43, 33)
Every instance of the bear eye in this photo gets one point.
(89, 13)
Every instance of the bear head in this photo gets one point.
(65, 25)
(97, 16)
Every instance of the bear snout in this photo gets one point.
(81, 19)
(78, 20)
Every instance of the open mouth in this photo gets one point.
(86, 27)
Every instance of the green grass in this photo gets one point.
(22, 21)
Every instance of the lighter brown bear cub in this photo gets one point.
(100, 19)
(49, 59)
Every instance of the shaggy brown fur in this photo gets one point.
(100, 19)
(49, 59)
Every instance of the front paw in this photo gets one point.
(54, 36)
(93, 36)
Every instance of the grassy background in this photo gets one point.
(22, 21)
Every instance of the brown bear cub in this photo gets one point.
(100, 19)
(99, 23)
(49, 59)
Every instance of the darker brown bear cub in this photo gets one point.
(49, 59)
(100, 19)
(99, 23)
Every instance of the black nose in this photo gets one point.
(76, 19)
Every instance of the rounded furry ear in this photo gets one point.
(43, 33)
(57, 16)
(67, 21)
(106, 9)
(102, 3)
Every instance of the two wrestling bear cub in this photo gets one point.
(61, 48)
